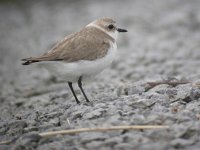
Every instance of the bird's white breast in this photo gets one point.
(72, 71)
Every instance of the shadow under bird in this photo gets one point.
(83, 54)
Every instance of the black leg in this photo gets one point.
(80, 86)
(71, 88)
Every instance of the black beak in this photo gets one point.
(121, 30)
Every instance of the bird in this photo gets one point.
(83, 54)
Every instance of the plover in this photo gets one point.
(83, 54)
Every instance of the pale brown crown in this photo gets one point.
(105, 23)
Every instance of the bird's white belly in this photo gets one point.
(72, 71)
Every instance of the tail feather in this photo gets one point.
(28, 61)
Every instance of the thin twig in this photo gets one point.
(197, 85)
(73, 131)
(99, 129)
(5, 142)
(173, 83)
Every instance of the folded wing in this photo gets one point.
(86, 44)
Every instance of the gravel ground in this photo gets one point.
(163, 43)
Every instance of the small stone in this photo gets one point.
(180, 143)
(94, 144)
(124, 146)
(4, 147)
(28, 141)
(30, 129)
(92, 136)
(195, 93)
(94, 114)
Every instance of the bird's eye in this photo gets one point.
(111, 26)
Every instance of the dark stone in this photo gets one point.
(195, 94)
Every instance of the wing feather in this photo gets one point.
(86, 44)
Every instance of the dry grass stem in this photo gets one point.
(98, 129)
(172, 83)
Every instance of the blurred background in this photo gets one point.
(163, 37)
(163, 41)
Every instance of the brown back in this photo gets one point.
(90, 43)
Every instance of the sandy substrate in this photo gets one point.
(163, 43)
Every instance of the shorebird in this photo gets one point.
(83, 54)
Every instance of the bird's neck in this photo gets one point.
(111, 34)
